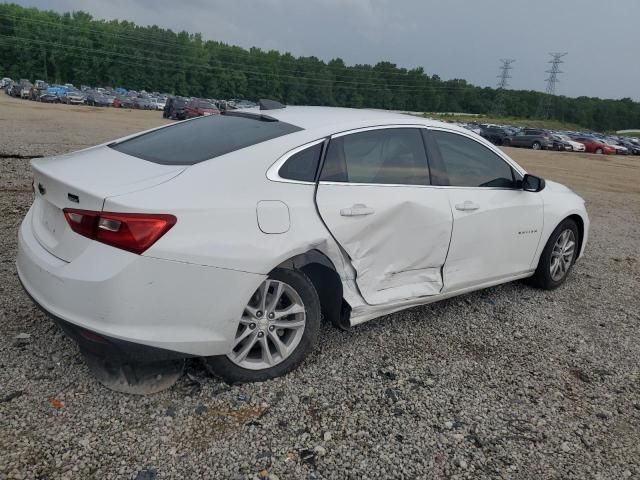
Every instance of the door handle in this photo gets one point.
(357, 210)
(467, 206)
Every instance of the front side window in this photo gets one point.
(302, 166)
(468, 163)
(386, 156)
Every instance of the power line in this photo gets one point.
(546, 107)
(230, 49)
(503, 82)
(319, 82)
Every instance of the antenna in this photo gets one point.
(546, 102)
(503, 82)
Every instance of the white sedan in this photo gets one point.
(229, 237)
(575, 146)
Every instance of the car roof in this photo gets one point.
(340, 119)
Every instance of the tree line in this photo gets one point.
(76, 48)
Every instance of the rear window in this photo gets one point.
(303, 165)
(191, 142)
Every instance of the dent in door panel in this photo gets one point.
(378, 253)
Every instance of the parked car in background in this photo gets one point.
(634, 148)
(620, 149)
(174, 108)
(158, 103)
(97, 99)
(72, 97)
(122, 101)
(49, 97)
(7, 86)
(575, 146)
(24, 88)
(560, 144)
(536, 139)
(36, 91)
(14, 90)
(143, 103)
(5, 82)
(593, 145)
(496, 134)
(199, 108)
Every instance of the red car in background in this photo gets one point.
(199, 108)
(593, 145)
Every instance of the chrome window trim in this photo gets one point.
(378, 127)
(273, 171)
(347, 184)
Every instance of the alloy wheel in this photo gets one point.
(562, 255)
(271, 327)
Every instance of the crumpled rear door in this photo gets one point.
(397, 237)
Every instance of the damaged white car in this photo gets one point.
(229, 237)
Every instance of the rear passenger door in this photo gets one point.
(496, 224)
(376, 199)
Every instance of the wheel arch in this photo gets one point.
(580, 223)
(325, 278)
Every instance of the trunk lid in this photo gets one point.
(84, 180)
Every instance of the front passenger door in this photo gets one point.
(496, 224)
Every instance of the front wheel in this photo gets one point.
(277, 330)
(536, 146)
(558, 256)
(599, 151)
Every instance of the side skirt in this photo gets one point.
(366, 313)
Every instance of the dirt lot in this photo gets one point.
(510, 382)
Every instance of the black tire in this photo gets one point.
(221, 366)
(506, 142)
(542, 277)
(599, 151)
(536, 146)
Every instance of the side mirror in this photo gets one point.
(531, 183)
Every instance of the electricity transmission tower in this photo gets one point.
(503, 82)
(546, 102)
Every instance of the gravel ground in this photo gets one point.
(510, 382)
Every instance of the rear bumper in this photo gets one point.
(134, 301)
(103, 346)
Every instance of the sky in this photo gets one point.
(451, 38)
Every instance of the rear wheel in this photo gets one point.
(599, 151)
(558, 256)
(506, 142)
(277, 330)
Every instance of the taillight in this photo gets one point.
(134, 232)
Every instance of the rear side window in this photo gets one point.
(194, 141)
(302, 166)
(468, 163)
(385, 156)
